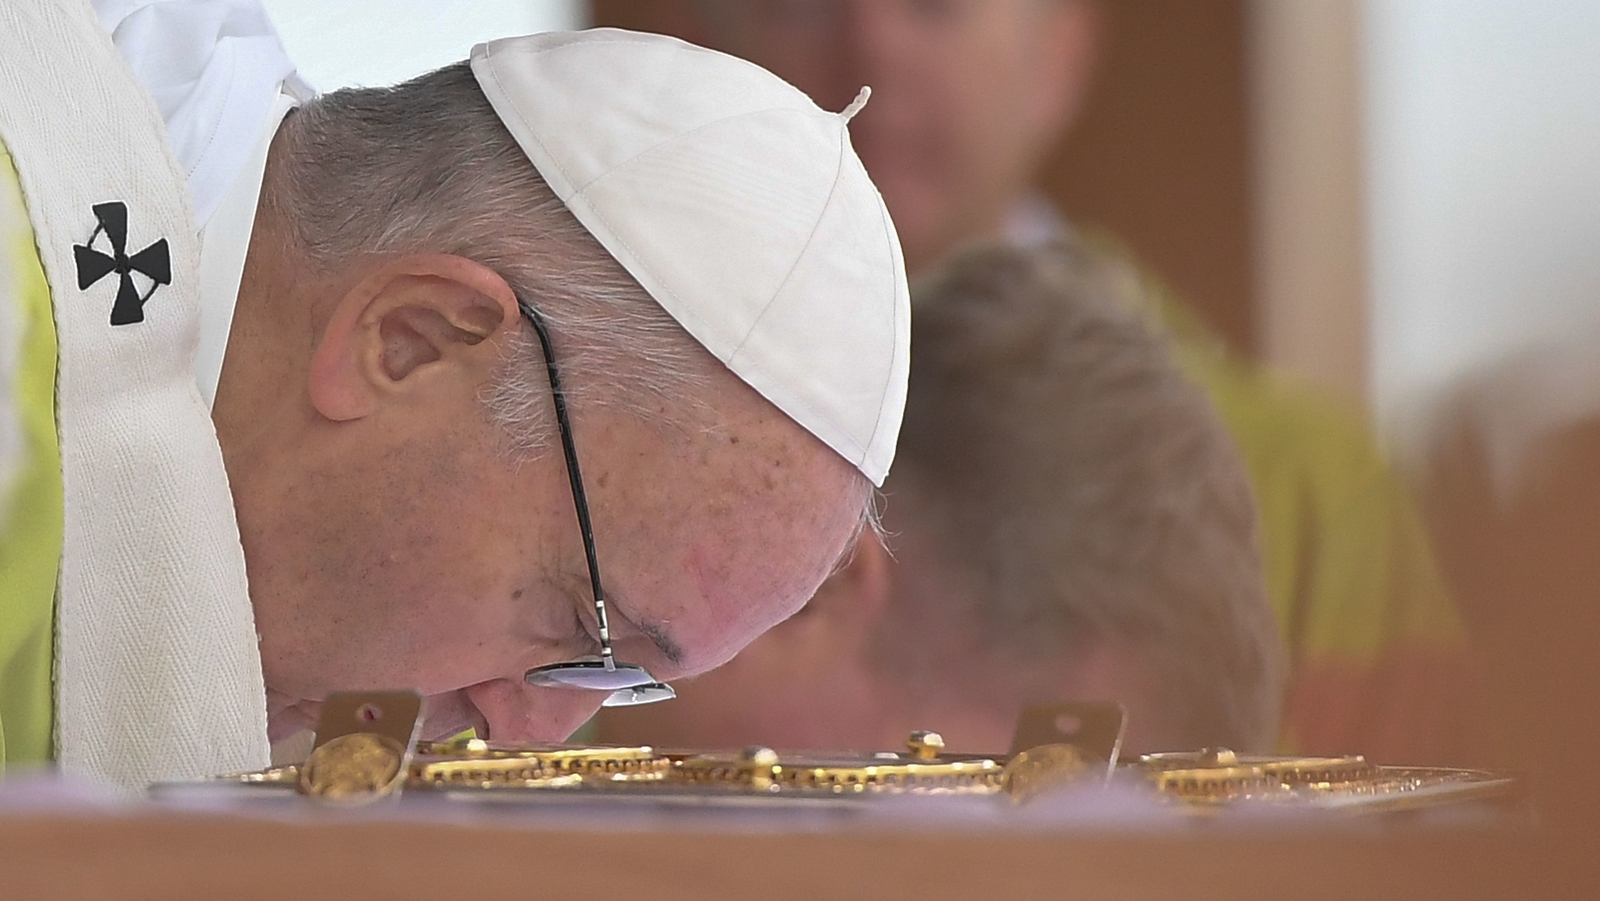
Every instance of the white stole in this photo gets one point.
(158, 675)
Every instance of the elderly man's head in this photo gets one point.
(1068, 520)
(967, 94)
(388, 427)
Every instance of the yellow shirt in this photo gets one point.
(1379, 662)
(31, 507)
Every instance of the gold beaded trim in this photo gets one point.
(943, 777)
(1212, 777)
(475, 764)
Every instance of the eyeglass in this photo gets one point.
(628, 683)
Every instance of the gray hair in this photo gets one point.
(1086, 483)
(427, 166)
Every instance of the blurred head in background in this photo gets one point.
(1067, 520)
(967, 95)
(968, 99)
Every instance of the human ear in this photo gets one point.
(409, 326)
(850, 602)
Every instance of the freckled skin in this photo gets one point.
(391, 543)
(390, 552)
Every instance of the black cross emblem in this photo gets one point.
(94, 265)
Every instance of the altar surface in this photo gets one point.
(155, 853)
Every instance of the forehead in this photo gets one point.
(731, 602)
(733, 573)
(709, 536)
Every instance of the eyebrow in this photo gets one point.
(658, 635)
(653, 630)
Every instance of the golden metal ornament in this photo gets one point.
(355, 768)
(362, 749)
(925, 745)
(366, 749)
(278, 775)
(361, 766)
(763, 770)
(476, 764)
(1044, 769)
(1218, 776)
(1095, 728)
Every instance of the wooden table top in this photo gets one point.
(162, 854)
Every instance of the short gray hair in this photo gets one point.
(1086, 483)
(427, 166)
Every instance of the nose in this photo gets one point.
(516, 712)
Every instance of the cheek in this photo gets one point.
(435, 616)
(458, 599)
(450, 643)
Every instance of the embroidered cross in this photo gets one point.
(153, 262)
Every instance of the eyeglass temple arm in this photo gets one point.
(579, 501)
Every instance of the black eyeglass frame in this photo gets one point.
(628, 683)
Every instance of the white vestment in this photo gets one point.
(158, 675)
(222, 82)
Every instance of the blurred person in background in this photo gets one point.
(1067, 519)
(969, 97)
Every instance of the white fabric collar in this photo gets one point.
(223, 83)
(214, 68)
(224, 241)
(157, 669)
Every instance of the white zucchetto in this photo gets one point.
(737, 203)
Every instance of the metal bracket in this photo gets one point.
(1093, 728)
(365, 740)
